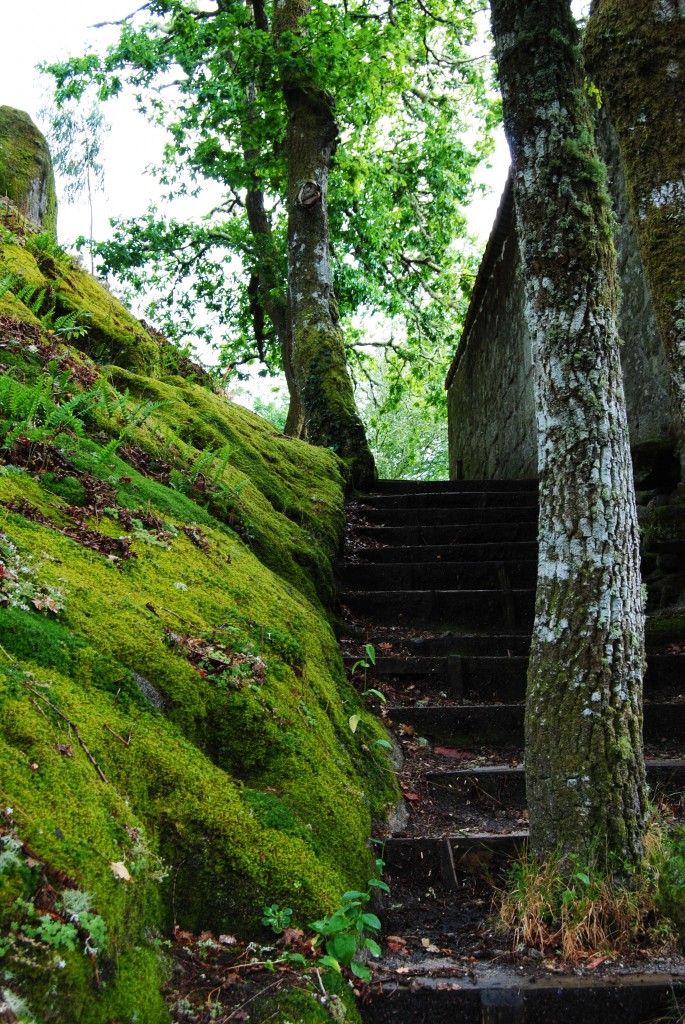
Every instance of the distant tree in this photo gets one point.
(585, 774)
(400, 87)
(75, 137)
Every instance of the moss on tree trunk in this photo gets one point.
(635, 52)
(584, 757)
(318, 351)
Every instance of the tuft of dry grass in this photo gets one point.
(558, 906)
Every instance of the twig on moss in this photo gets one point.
(39, 708)
(73, 726)
(150, 607)
(318, 978)
(126, 742)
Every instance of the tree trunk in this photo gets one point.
(267, 283)
(275, 307)
(584, 758)
(318, 351)
(635, 52)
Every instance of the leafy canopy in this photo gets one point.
(414, 114)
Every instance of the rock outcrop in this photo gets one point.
(26, 174)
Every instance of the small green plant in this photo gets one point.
(45, 408)
(344, 933)
(367, 690)
(66, 326)
(71, 925)
(209, 465)
(8, 283)
(19, 587)
(671, 889)
(277, 918)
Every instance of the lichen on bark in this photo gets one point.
(584, 759)
(634, 52)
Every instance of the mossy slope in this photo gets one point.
(173, 698)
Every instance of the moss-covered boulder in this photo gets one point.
(175, 746)
(26, 174)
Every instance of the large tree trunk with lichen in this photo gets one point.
(584, 760)
(318, 351)
(635, 53)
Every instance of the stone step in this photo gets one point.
(415, 535)
(412, 486)
(511, 551)
(495, 994)
(506, 785)
(479, 575)
(449, 499)
(431, 858)
(432, 516)
(483, 678)
(474, 645)
(467, 609)
(500, 678)
(493, 725)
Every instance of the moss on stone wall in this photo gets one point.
(634, 51)
(172, 696)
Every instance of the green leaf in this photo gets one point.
(329, 961)
(360, 970)
(337, 923)
(377, 883)
(354, 722)
(371, 921)
(372, 946)
(342, 947)
(376, 693)
(354, 894)
(296, 958)
(371, 653)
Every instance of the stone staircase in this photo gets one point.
(440, 579)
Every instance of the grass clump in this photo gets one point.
(564, 908)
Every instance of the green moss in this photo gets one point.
(243, 776)
(114, 335)
(304, 1006)
(327, 396)
(635, 56)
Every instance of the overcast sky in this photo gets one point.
(47, 30)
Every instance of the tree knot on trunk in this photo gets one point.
(309, 195)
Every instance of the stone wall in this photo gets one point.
(490, 384)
